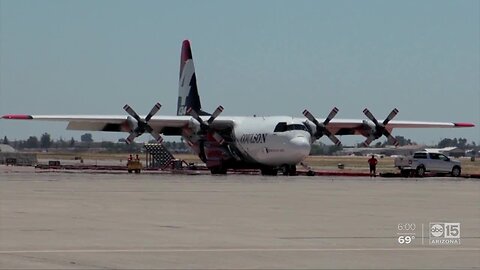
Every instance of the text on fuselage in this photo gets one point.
(253, 138)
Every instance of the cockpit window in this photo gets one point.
(282, 127)
(296, 127)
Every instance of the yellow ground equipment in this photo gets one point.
(134, 166)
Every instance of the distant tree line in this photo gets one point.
(462, 143)
(87, 143)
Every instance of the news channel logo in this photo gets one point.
(444, 233)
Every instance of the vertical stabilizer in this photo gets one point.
(187, 85)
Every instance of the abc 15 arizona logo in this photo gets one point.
(444, 233)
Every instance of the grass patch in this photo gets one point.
(316, 162)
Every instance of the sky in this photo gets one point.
(252, 57)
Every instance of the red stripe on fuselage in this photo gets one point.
(18, 116)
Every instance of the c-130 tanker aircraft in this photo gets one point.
(266, 143)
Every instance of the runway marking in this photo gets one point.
(231, 250)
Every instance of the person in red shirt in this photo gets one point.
(373, 166)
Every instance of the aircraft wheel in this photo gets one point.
(269, 171)
(288, 170)
(292, 170)
(218, 170)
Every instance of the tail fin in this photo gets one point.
(187, 85)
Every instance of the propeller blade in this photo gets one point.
(332, 114)
(156, 136)
(392, 114)
(130, 111)
(371, 117)
(218, 138)
(216, 113)
(367, 142)
(321, 129)
(205, 126)
(310, 117)
(380, 129)
(131, 137)
(334, 139)
(195, 115)
(153, 111)
(391, 138)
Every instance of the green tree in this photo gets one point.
(32, 142)
(462, 142)
(403, 141)
(61, 143)
(87, 138)
(45, 141)
(323, 149)
(72, 142)
(5, 140)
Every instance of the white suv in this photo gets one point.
(424, 161)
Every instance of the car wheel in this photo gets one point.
(420, 171)
(456, 171)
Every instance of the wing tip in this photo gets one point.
(17, 117)
(463, 124)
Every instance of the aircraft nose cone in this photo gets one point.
(300, 147)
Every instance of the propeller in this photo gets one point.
(141, 126)
(379, 128)
(205, 126)
(321, 128)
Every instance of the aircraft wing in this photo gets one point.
(168, 125)
(358, 126)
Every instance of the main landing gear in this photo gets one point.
(290, 170)
(284, 169)
(219, 170)
(270, 171)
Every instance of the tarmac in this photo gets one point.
(121, 221)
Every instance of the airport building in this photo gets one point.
(10, 156)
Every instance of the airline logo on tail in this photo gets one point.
(187, 85)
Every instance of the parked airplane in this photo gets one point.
(266, 143)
